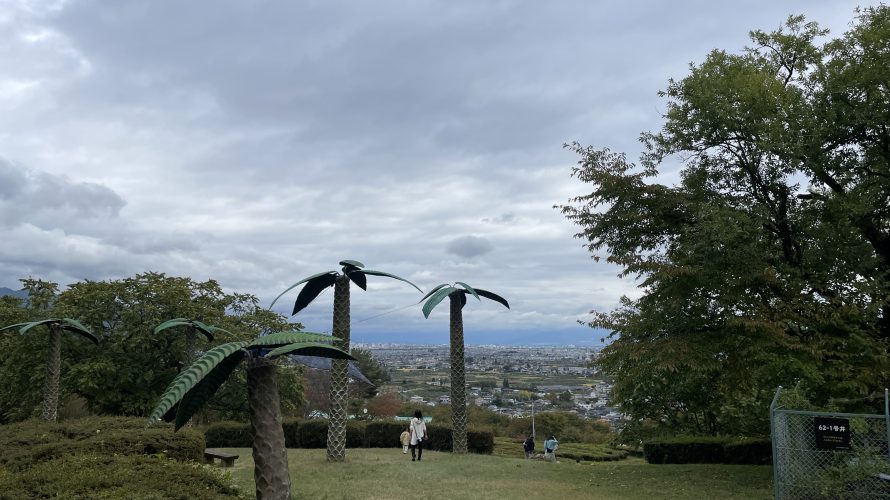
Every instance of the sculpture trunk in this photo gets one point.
(339, 382)
(269, 453)
(458, 383)
(51, 382)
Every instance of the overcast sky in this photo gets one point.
(257, 143)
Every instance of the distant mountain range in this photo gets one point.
(22, 294)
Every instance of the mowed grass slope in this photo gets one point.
(383, 474)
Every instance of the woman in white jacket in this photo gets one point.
(418, 435)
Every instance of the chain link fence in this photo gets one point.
(824, 455)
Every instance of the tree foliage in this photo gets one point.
(768, 263)
(133, 364)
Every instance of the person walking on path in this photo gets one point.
(529, 446)
(405, 439)
(418, 435)
(550, 447)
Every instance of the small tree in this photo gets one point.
(458, 298)
(195, 385)
(351, 271)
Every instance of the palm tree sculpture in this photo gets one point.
(458, 297)
(194, 327)
(54, 358)
(195, 385)
(315, 284)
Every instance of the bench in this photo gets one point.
(227, 459)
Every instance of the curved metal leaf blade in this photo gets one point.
(358, 277)
(304, 280)
(434, 290)
(75, 326)
(469, 289)
(32, 324)
(206, 388)
(353, 263)
(189, 377)
(17, 325)
(312, 289)
(284, 338)
(463, 298)
(206, 329)
(435, 299)
(493, 296)
(170, 323)
(388, 275)
(310, 349)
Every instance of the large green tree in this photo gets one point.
(458, 299)
(353, 271)
(769, 261)
(134, 364)
(197, 384)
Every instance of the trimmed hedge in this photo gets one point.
(708, 450)
(26, 443)
(100, 476)
(314, 434)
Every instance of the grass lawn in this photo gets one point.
(388, 474)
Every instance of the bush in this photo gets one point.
(384, 434)
(314, 434)
(103, 476)
(708, 450)
(228, 435)
(30, 442)
(748, 451)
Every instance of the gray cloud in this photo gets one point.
(52, 201)
(258, 143)
(469, 246)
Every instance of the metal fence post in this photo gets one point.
(887, 417)
(772, 427)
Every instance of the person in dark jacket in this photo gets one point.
(529, 446)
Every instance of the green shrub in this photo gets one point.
(748, 451)
(30, 442)
(708, 450)
(313, 434)
(228, 435)
(384, 434)
(100, 476)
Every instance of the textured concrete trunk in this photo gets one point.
(269, 454)
(458, 379)
(339, 381)
(51, 382)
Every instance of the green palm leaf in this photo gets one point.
(17, 325)
(189, 377)
(293, 337)
(358, 277)
(434, 290)
(170, 323)
(304, 280)
(493, 296)
(312, 289)
(393, 276)
(32, 324)
(353, 263)
(310, 349)
(75, 326)
(206, 388)
(469, 289)
(208, 330)
(435, 299)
